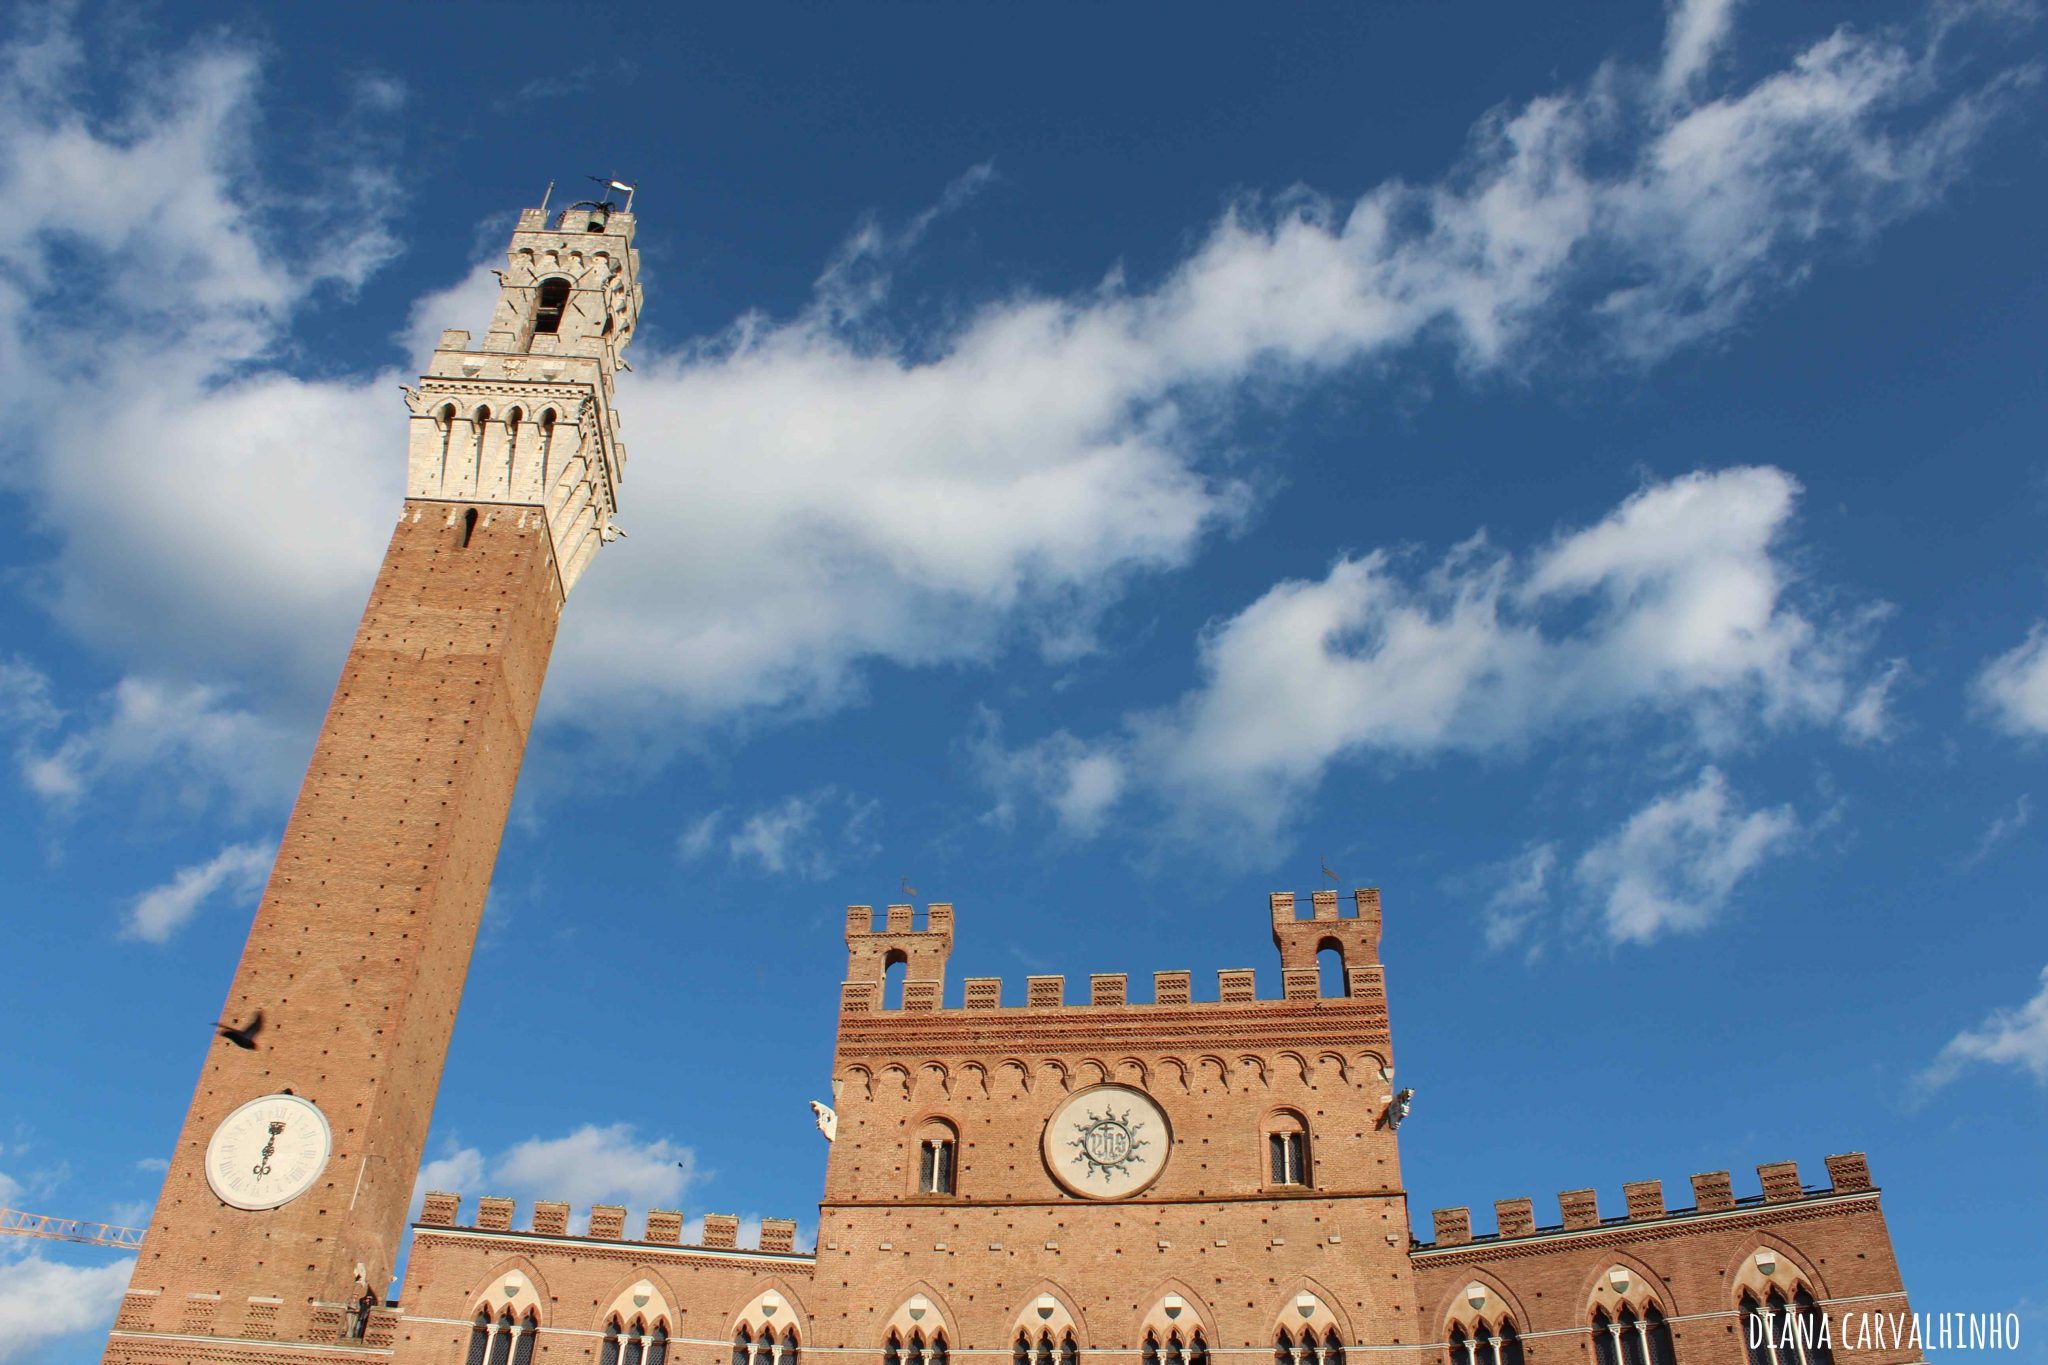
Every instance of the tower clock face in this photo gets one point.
(268, 1152)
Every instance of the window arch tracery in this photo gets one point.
(1289, 1160)
(1482, 1328)
(1783, 1321)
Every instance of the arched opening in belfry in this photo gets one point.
(468, 526)
(895, 969)
(551, 302)
(1333, 983)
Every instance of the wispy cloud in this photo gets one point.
(2013, 688)
(236, 873)
(2008, 1037)
(2002, 827)
(805, 834)
(1673, 865)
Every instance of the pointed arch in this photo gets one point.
(1162, 1315)
(1495, 1305)
(926, 1319)
(1637, 1287)
(776, 1303)
(1324, 1309)
(1060, 1315)
(1790, 1268)
(641, 1292)
(515, 1283)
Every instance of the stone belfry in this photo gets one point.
(286, 1197)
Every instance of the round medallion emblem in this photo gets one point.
(1107, 1142)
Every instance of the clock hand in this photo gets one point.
(262, 1167)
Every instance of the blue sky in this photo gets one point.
(1578, 471)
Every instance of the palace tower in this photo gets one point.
(356, 959)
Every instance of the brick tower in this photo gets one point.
(286, 1196)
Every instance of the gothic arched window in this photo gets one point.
(479, 1337)
(657, 1345)
(1287, 1154)
(789, 1347)
(1497, 1344)
(501, 1339)
(938, 1147)
(549, 305)
(743, 1346)
(522, 1345)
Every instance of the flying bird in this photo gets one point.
(241, 1035)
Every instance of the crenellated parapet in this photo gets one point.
(1643, 1203)
(606, 1223)
(1350, 927)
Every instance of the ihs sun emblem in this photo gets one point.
(1108, 1144)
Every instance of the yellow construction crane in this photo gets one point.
(15, 1223)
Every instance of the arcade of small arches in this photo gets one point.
(479, 419)
(1628, 1323)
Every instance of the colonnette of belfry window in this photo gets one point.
(761, 1346)
(915, 1349)
(1779, 1331)
(1172, 1351)
(1306, 1348)
(634, 1343)
(937, 1147)
(1044, 1350)
(1486, 1344)
(504, 1339)
(1631, 1339)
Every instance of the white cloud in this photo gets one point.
(835, 490)
(237, 872)
(1672, 867)
(2007, 1037)
(1523, 890)
(185, 740)
(42, 1300)
(1676, 604)
(1869, 718)
(2013, 688)
(1080, 782)
(1693, 35)
(592, 1165)
(2002, 827)
(804, 834)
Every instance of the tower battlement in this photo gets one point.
(1351, 929)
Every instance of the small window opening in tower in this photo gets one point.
(550, 304)
(895, 969)
(468, 526)
(1330, 963)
